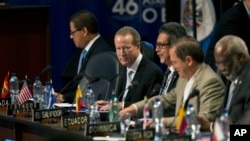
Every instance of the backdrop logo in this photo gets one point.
(147, 11)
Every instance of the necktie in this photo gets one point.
(165, 82)
(128, 82)
(81, 60)
(230, 94)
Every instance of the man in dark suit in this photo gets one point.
(168, 34)
(138, 71)
(232, 59)
(85, 34)
(235, 21)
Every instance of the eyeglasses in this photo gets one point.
(73, 32)
(161, 45)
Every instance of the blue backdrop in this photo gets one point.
(145, 16)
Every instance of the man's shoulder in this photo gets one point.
(149, 64)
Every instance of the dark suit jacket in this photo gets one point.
(240, 103)
(147, 75)
(70, 71)
(235, 21)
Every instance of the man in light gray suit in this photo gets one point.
(187, 57)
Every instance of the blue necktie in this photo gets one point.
(81, 60)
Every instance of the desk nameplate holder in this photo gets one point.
(103, 128)
(136, 134)
(22, 110)
(75, 122)
(148, 134)
(4, 102)
(47, 115)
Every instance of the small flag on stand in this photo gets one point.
(79, 103)
(217, 134)
(25, 93)
(52, 96)
(181, 121)
(6, 87)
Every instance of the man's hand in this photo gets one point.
(102, 105)
(131, 109)
(205, 123)
(150, 123)
(59, 98)
(101, 102)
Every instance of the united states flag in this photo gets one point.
(25, 93)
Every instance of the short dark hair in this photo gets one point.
(86, 19)
(173, 30)
(189, 46)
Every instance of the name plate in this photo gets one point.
(75, 122)
(103, 128)
(134, 134)
(47, 115)
(4, 102)
(22, 110)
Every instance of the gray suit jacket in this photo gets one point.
(207, 104)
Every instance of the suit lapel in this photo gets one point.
(172, 81)
(137, 77)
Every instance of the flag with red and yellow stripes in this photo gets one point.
(6, 87)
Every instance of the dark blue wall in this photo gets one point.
(62, 47)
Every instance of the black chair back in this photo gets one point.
(102, 73)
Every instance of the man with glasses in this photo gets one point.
(85, 34)
(139, 73)
(168, 34)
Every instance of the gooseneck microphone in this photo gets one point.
(76, 78)
(194, 93)
(48, 68)
(156, 90)
(131, 86)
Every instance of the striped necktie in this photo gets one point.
(165, 82)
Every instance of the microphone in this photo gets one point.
(94, 80)
(76, 78)
(131, 86)
(48, 68)
(194, 93)
(156, 90)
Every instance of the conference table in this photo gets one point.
(25, 128)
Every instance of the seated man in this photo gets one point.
(232, 59)
(187, 57)
(138, 71)
(168, 33)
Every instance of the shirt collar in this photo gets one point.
(135, 65)
(91, 43)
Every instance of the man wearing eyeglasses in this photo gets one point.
(85, 35)
(168, 33)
